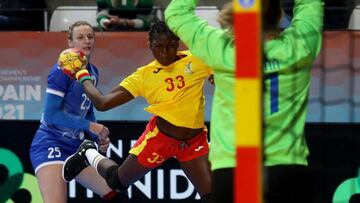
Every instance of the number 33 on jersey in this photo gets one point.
(177, 87)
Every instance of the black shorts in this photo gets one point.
(282, 184)
(287, 183)
(222, 185)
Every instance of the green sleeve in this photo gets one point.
(309, 19)
(212, 45)
(302, 40)
(102, 10)
(145, 4)
(147, 19)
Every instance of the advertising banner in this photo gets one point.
(26, 59)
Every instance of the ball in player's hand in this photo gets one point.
(71, 61)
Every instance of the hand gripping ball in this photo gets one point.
(71, 61)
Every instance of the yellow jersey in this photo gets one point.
(174, 92)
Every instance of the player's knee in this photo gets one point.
(112, 179)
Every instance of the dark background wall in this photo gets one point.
(334, 158)
(17, 136)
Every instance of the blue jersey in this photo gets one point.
(75, 101)
(67, 114)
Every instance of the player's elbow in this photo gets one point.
(112, 100)
(102, 106)
(50, 118)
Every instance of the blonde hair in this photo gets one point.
(226, 18)
(76, 24)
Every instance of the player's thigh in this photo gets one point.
(90, 179)
(198, 171)
(52, 186)
(48, 149)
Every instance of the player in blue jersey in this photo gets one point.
(68, 114)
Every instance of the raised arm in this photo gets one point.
(308, 23)
(212, 45)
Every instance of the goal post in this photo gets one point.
(248, 117)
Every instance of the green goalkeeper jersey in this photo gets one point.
(287, 80)
(287, 74)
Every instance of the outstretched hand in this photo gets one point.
(71, 61)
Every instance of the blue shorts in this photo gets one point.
(49, 148)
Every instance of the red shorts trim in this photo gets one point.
(153, 147)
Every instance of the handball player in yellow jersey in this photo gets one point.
(173, 86)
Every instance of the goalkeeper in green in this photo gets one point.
(288, 57)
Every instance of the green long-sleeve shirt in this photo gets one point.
(141, 10)
(290, 58)
(287, 73)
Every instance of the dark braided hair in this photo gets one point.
(160, 28)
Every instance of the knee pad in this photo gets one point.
(112, 179)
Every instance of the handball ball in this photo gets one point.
(71, 61)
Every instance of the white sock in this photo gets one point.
(93, 157)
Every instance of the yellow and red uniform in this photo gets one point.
(175, 93)
(153, 147)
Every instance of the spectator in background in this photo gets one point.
(337, 14)
(125, 15)
(22, 15)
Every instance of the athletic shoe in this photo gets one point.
(77, 162)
